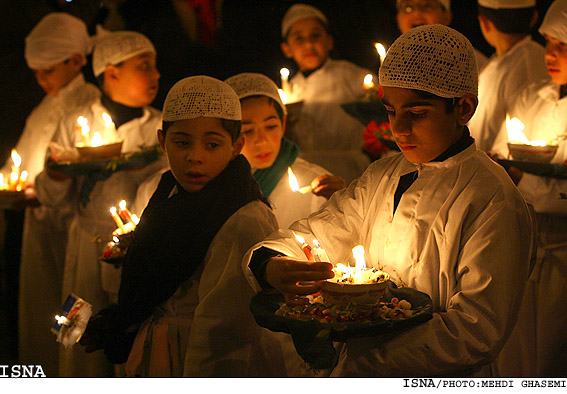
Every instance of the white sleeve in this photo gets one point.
(544, 193)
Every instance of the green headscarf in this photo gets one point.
(269, 177)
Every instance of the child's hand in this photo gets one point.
(284, 274)
(326, 185)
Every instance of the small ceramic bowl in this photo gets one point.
(345, 293)
(103, 152)
(535, 154)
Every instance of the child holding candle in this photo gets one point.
(125, 66)
(437, 218)
(56, 49)
(270, 154)
(183, 289)
(517, 61)
(542, 107)
(325, 133)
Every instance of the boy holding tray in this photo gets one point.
(440, 217)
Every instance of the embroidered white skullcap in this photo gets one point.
(201, 95)
(56, 37)
(444, 3)
(431, 58)
(555, 22)
(507, 4)
(255, 84)
(299, 12)
(117, 46)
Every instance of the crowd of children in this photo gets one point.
(219, 216)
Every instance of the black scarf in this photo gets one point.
(174, 235)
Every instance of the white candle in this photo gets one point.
(319, 253)
(284, 73)
(109, 128)
(117, 220)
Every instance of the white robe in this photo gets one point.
(538, 344)
(450, 238)
(84, 275)
(45, 231)
(290, 206)
(325, 133)
(206, 328)
(500, 83)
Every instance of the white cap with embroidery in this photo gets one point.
(299, 12)
(56, 38)
(555, 22)
(507, 4)
(444, 3)
(201, 95)
(117, 46)
(255, 84)
(434, 59)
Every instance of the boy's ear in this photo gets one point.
(286, 50)
(77, 61)
(484, 23)
(466, 107)
(237, 147)
(161, 139)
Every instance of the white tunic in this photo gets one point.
(206, 329)
(84, 275)
(45, 231)
(290, 206)
(450, 238)
(325, 133)
(500, 83)
(538, 345)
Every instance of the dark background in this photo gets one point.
(247, 41)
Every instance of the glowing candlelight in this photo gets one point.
(368, 82)
(284, 73)
(85, 129)
(319, 253)
(283, 96)
(135, 219)
(117, 220)
(124, 211)
(97, 140)
(16, 160)
(107, 120)
(294, 186)
(62, 320)
(516, 135)
(2, 186)
(305, 246)
(13, 181)
(381, 51)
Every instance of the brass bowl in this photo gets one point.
(534, 154)
(103, 152)
(346, 293)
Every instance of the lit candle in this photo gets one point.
(16, 161)
(305, 246)
(294, 186)
(62, 320)
(125, 212)
(381, 51)
(515, 129)
(283, 96)
(97, 140)
(13, 181)
(135, 219)
(319, 253)
(284, 73)
(117, 220)
(22, 180)
(85, 129)
(2, 186)
(368, 83)
(109, 128)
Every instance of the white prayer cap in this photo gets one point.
(555, 22)
(444, 3)
(200, 95)
(431, 58)
(255, 84)
(115, 47)
(507, 4)
(299, 12)
(56, 38)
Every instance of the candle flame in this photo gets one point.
(116, 239)
(24, 176)
(107, 120)
(516, 134)
(135, 219)
(1, 181)
(14, 177)
(380, 49)
(16, 159)
(97, 140)
(299, 239)
(368, 83)
(61, 320)
(283, 96)
(122, 205)
(358, 253)
(316, 243)
(292, 180)
(84, 123)
(113, 211)
(284, 72)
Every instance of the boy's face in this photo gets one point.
(556, 59)
(135, 81)
(198, 150)
(54, 78)
(413, 13)
(308, 44)
(262, 130)
(421, 127)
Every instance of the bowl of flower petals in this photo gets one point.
(345, 288)
(532, 153)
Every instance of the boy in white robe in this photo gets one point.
(56, 51)
(270, 154)
(325, 133)
(124, 63)
(517, 61)
(538, 344)
(440, 218)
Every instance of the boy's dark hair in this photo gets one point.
(449, 102)
(510, 21)
(233, 127)
(100, 78)
(273, 102)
